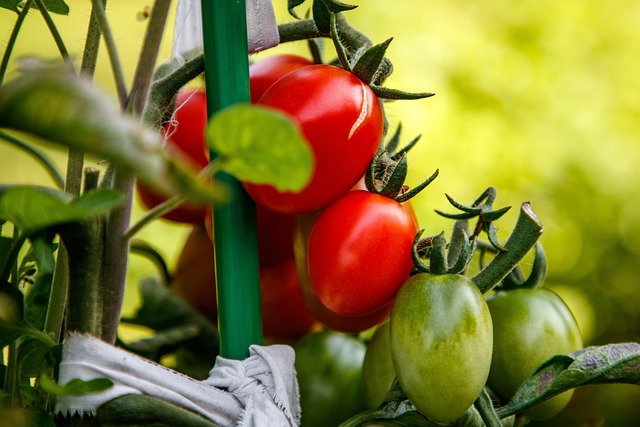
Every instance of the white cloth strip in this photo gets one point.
(261, 390)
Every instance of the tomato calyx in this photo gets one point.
(482, 209)
(388, 170)
(453, 258)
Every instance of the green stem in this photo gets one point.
(12, 39)
(83, 243)
(154, 213)
(92, 44)
(116, 65)
(149, 55)
(36, 154)
(55, 33)
(165, 89)
(143, 248)
(524, 236)
(485, 407)
(116, 257)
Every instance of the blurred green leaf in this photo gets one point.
(32, 209)
(613, 363)
(75, 387)
(33, 357)
(36, 270)
(5, 247)
(262, 146)
(10, 4)
(53, 105)
(55, 6)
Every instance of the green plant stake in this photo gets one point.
(238, 280)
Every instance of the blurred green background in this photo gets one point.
(540, 99)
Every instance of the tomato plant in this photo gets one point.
(360, 253)
(341, 119)
(265, 72)
(185, 134)
(441, 343)
(329, 368)
(284, 314)
(529, 326)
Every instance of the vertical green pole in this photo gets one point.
(235, 231)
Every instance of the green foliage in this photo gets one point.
(33, 209)
(261, 146)
(75, 387)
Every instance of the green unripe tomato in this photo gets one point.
(329, 370)
(441, 341)
(377, 369)
(529, 326)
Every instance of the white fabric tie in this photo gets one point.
(262, 28)
(261, 390)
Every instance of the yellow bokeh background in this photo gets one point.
(540, 99)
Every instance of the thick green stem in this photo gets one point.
(116, 65)
(524, 236)
(55, 33)
(83, 242)
(149, 55)
(116, 257)
(12, 39)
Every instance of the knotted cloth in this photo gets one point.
(261, 390)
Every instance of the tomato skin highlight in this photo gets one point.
(360, 253)
(334, 321)
(186, 136)
(342, 121)
(530, 326)
(265, 72)
(441, 343)
(284, 315)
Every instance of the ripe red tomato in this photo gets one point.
(185, 135)
(284, 315)
(342, 121)
(264, 73)
(360, 253)
(334, 321)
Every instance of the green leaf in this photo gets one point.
(75, 387)
(291, 5)
(368, 64)
(262, 146)
(395, 94)
(337, 6)
(53, 105)
(55, 6)
(36, 270)
(33, 357)
(10, 4)
(33, 209)
(613, 363)
(321, 16)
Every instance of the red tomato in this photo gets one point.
(264, 73)
(341, 119)
(194, 278)
(186, 135)
(360, 253)
(284, 315)
(275, 236)
(302, 230)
